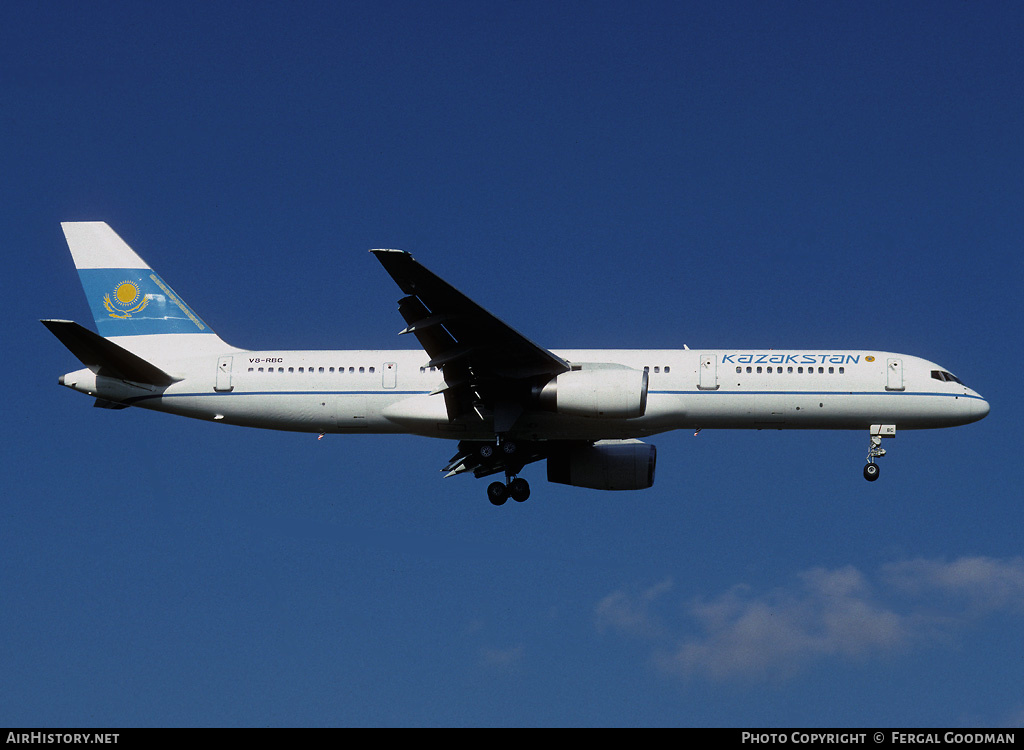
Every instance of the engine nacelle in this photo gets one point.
(610, 393)
(605, 465)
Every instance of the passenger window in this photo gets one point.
(769, 371)
(739, 369)
(842, 370)
(789, 370)
(749, 370)
(831, 371)
(666, 369)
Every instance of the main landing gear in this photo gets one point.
(878, 431)
(516, 487)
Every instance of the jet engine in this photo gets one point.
(605, 465)
(601, 392)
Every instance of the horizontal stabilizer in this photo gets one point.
(112, 360)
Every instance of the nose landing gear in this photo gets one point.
(878, 431)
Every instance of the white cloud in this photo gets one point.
(985, 582)
(632, 614)
(824, 613)
(502, 659)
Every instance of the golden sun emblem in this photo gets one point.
(126, 301)
(869, 358)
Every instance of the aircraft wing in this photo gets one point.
(488, 367)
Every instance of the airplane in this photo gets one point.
(507, 401)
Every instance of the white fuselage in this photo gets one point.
(374, 391)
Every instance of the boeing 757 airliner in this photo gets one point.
(507, 401)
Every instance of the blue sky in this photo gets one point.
(766, 174)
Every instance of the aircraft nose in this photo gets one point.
(977, 407)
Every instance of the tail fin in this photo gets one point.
(129, 301)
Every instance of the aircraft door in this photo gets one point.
(390, 374)
(223, 383)
(894, 375)
(708, 375)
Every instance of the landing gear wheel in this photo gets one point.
(508, 447)
(519, 489)
(877, 432)
(486, 451)
(497, 493)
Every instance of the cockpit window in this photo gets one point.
(944, 376)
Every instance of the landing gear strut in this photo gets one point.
(878, 431)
